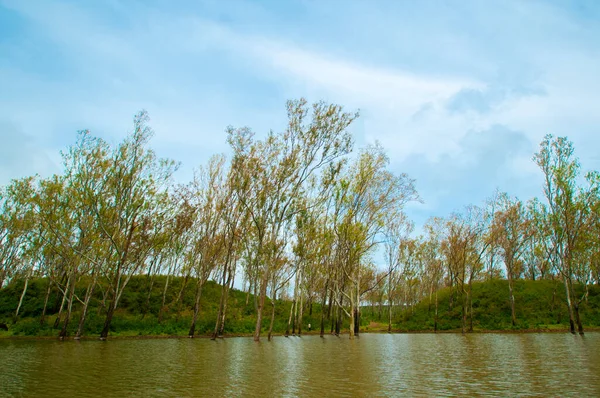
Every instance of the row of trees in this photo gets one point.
(553, 238)
(294, 215)
(289, 207)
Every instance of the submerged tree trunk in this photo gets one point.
(576, 303)
(287, 329)
(323, 302)
(569, 305)
(272, 317)
(289, 323)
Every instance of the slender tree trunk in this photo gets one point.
(248, 292)
(16, 317)
(322, 333)
(261, 305)
(164, 298)
(109, 316)
(88, 296)
(569, 305)
(351, 327)
(287, 329)
(179, 300)
(301, 311)
(48, 291)
(224, 293)
(435, 321)
(470, 307)
(60, 310)
(147, 304)
(576, 309)
(464, 310)
(330, 304)
(513, 316)
(63, 331)
(578, 318)
(389, 314)
(199, 286)
(272, 317)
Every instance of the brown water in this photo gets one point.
(372, 365)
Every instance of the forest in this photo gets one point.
(309, 227)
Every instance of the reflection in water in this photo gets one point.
(372, 365)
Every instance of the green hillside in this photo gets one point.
(136, 315)
(540, 305)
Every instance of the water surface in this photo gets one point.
(372, 365)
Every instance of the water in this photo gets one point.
(372, 365)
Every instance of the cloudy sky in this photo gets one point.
(459, 92)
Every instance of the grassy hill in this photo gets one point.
(138, 316)
(540, 305)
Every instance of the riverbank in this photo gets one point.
(550, 329)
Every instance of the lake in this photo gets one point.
(552, 364)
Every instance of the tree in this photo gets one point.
(568, 211)
(513, 232)
(272, 173)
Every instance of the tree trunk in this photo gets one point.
(60, 310)
(222, 300)
(351, 327)
(179, 301)
(513, 316)
(301, 306)
(287, 329)
(88, 295)
(147, 304)
(16, 317)
(435, 320)
(48, 291)
(261, 305)
(272, 317)
(322, 333)
(569, 305)
(63, 331)
(464, 310)
(109, 316)
(578, 318)
(164, 298)
(199, 286)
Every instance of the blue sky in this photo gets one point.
(459, 92)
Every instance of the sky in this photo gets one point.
(460, 93)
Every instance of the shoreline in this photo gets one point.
(264, 337)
